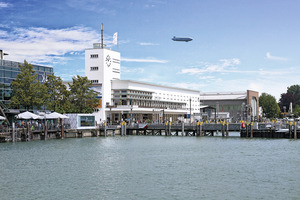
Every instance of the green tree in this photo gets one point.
(58, 100)
(285, 100)
(83, 98)
(297, 111)
(269, 105)
(295, 91)
(27, 91)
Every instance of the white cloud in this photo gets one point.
(3, 34)
(229, 66)
(5, 5)
(42, 45)
(270, 57)
(143, 60)
(98, 6)
(225, 65)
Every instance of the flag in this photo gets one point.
(115, 38)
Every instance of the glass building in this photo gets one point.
(9, 71)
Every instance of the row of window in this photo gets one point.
(94, 81)
(132, 92)
(94, 55)
(94, 68)
(151, 104)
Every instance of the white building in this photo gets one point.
(132, 100)
(239, 105)
(102, 66)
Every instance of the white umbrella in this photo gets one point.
(56, 115)
(28, 115)
(2, 118)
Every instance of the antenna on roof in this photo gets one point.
(2, 54)
(101, 36)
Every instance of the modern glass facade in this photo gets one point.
(9, 71)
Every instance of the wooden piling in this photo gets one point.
(166, 129)
(251, 127)
(295, 130)
(13, 135)
(105, 131)
(247, 129)
(62, 129)
(290, 129)
(223, 129)
(201, 128)
(227, 129)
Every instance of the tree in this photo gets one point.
(59, 95)
(83, 98)
(295, 91)
(297, 111)
(285, 100)
(27, 91)
(269, 105)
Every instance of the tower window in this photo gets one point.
(94, 55)
(94, 68)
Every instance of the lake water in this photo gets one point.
(151, 167)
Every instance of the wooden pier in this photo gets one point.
(259, 130)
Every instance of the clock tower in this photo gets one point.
(102, 65)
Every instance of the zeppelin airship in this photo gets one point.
(181, 39)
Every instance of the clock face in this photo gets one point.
(108, 60)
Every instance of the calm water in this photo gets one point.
(151, 167)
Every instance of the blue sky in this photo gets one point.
(237, 44)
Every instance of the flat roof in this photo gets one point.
(156, 85)
(223, 96)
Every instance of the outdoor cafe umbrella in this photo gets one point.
(28, 115)
(56, 115)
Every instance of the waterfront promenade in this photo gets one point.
(199, 129)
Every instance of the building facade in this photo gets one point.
(132, 100)
(9, 71)
(138, 101)
(238, 105)
(102, 66)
